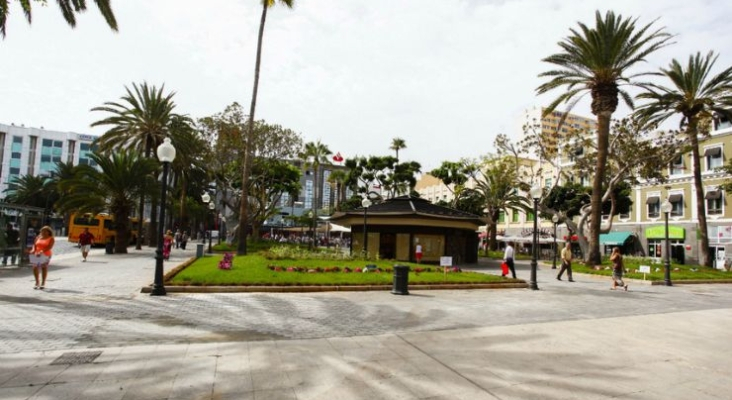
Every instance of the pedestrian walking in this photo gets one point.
(566, 256)
(86, 239)
(617, 259)
(177, 239)
(41, 255)
(12, 241)
(508, 255)
(167, 244)
(183, 240)
(418, 253)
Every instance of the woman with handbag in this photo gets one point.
(41, 255)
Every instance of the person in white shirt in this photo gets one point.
(508, 259)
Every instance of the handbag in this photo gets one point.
(504, 268)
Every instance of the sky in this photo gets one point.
(446, 76)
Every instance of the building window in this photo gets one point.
(548, 183)
(654, 206)
(677, 166)
(515, 217)
(626, 215)
(72, 150)
(713, 156)
(714, 202)
(677, 202)
(530, 216)
(501, 217)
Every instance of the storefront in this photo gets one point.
(656, 237)
(720, 245)
(623, 240)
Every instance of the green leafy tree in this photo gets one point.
(69, 9)
(139, 122)
(596, 60)
(382, 171)
(123, 177)
(270, 180)
(396, 145)
(454, 175)
(249, 154)
(697, 97)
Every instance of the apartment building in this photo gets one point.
(35, 151)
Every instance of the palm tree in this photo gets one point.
(114, 188)
(69, 9)
(316, 154)
(189, 164)
(140, 122)
(338, 179)
(697, 97)
(249, 154)
(595, 61)
(396, 145)
(30, 190)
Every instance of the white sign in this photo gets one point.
(646, 269)
(445, 261)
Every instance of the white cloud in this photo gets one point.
(445, 75)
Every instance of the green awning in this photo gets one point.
(614, 238)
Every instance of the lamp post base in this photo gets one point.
(532, 282)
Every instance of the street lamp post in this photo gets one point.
(535, 193)
(166, 155)
(365, 203)
(211, 206)
(555, 220)
(666, 208)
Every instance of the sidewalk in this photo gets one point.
(568, 340)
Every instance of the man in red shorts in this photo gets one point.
(86, 239)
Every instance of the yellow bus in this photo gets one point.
(100, 225)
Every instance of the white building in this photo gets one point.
(35, 151)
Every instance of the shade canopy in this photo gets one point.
(614, 238)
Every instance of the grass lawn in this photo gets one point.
(255, 269)
(678, 271)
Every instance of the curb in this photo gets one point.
(344, 288)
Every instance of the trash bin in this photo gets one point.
(401, 280)
(109, 247)
(199, 250)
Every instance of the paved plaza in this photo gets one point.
(92, 335)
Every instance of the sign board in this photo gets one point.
(445, 261)
(646, 269)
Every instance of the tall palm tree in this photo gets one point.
(30, 190)
(189, 164)
(315, 154)
(69, 9)
(139, 122)
(114, 188)
(595, 60)
(697, 96)
(338, 179)
(249, 154)
(396, 145)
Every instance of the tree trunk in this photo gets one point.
(314, 224)
(692, 133)
(593, 256)
(122, 227)
(249, 154)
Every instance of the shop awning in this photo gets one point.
(713, 194)
(614, 238)
(652, 200)
(713, 152)
(675, 198)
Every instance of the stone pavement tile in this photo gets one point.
(39, 374)
(18, 392)
(270, 379)
(364, 370)
(391, 388)
(67, 391)
(331, 375)
(402, 366)
(343, 390)
(146, 388)
(122, 369)
(423, 386)
(107, 390)
(79, 373)
(275, 394)
(195, 380)
(232, 382)
(234, 396)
